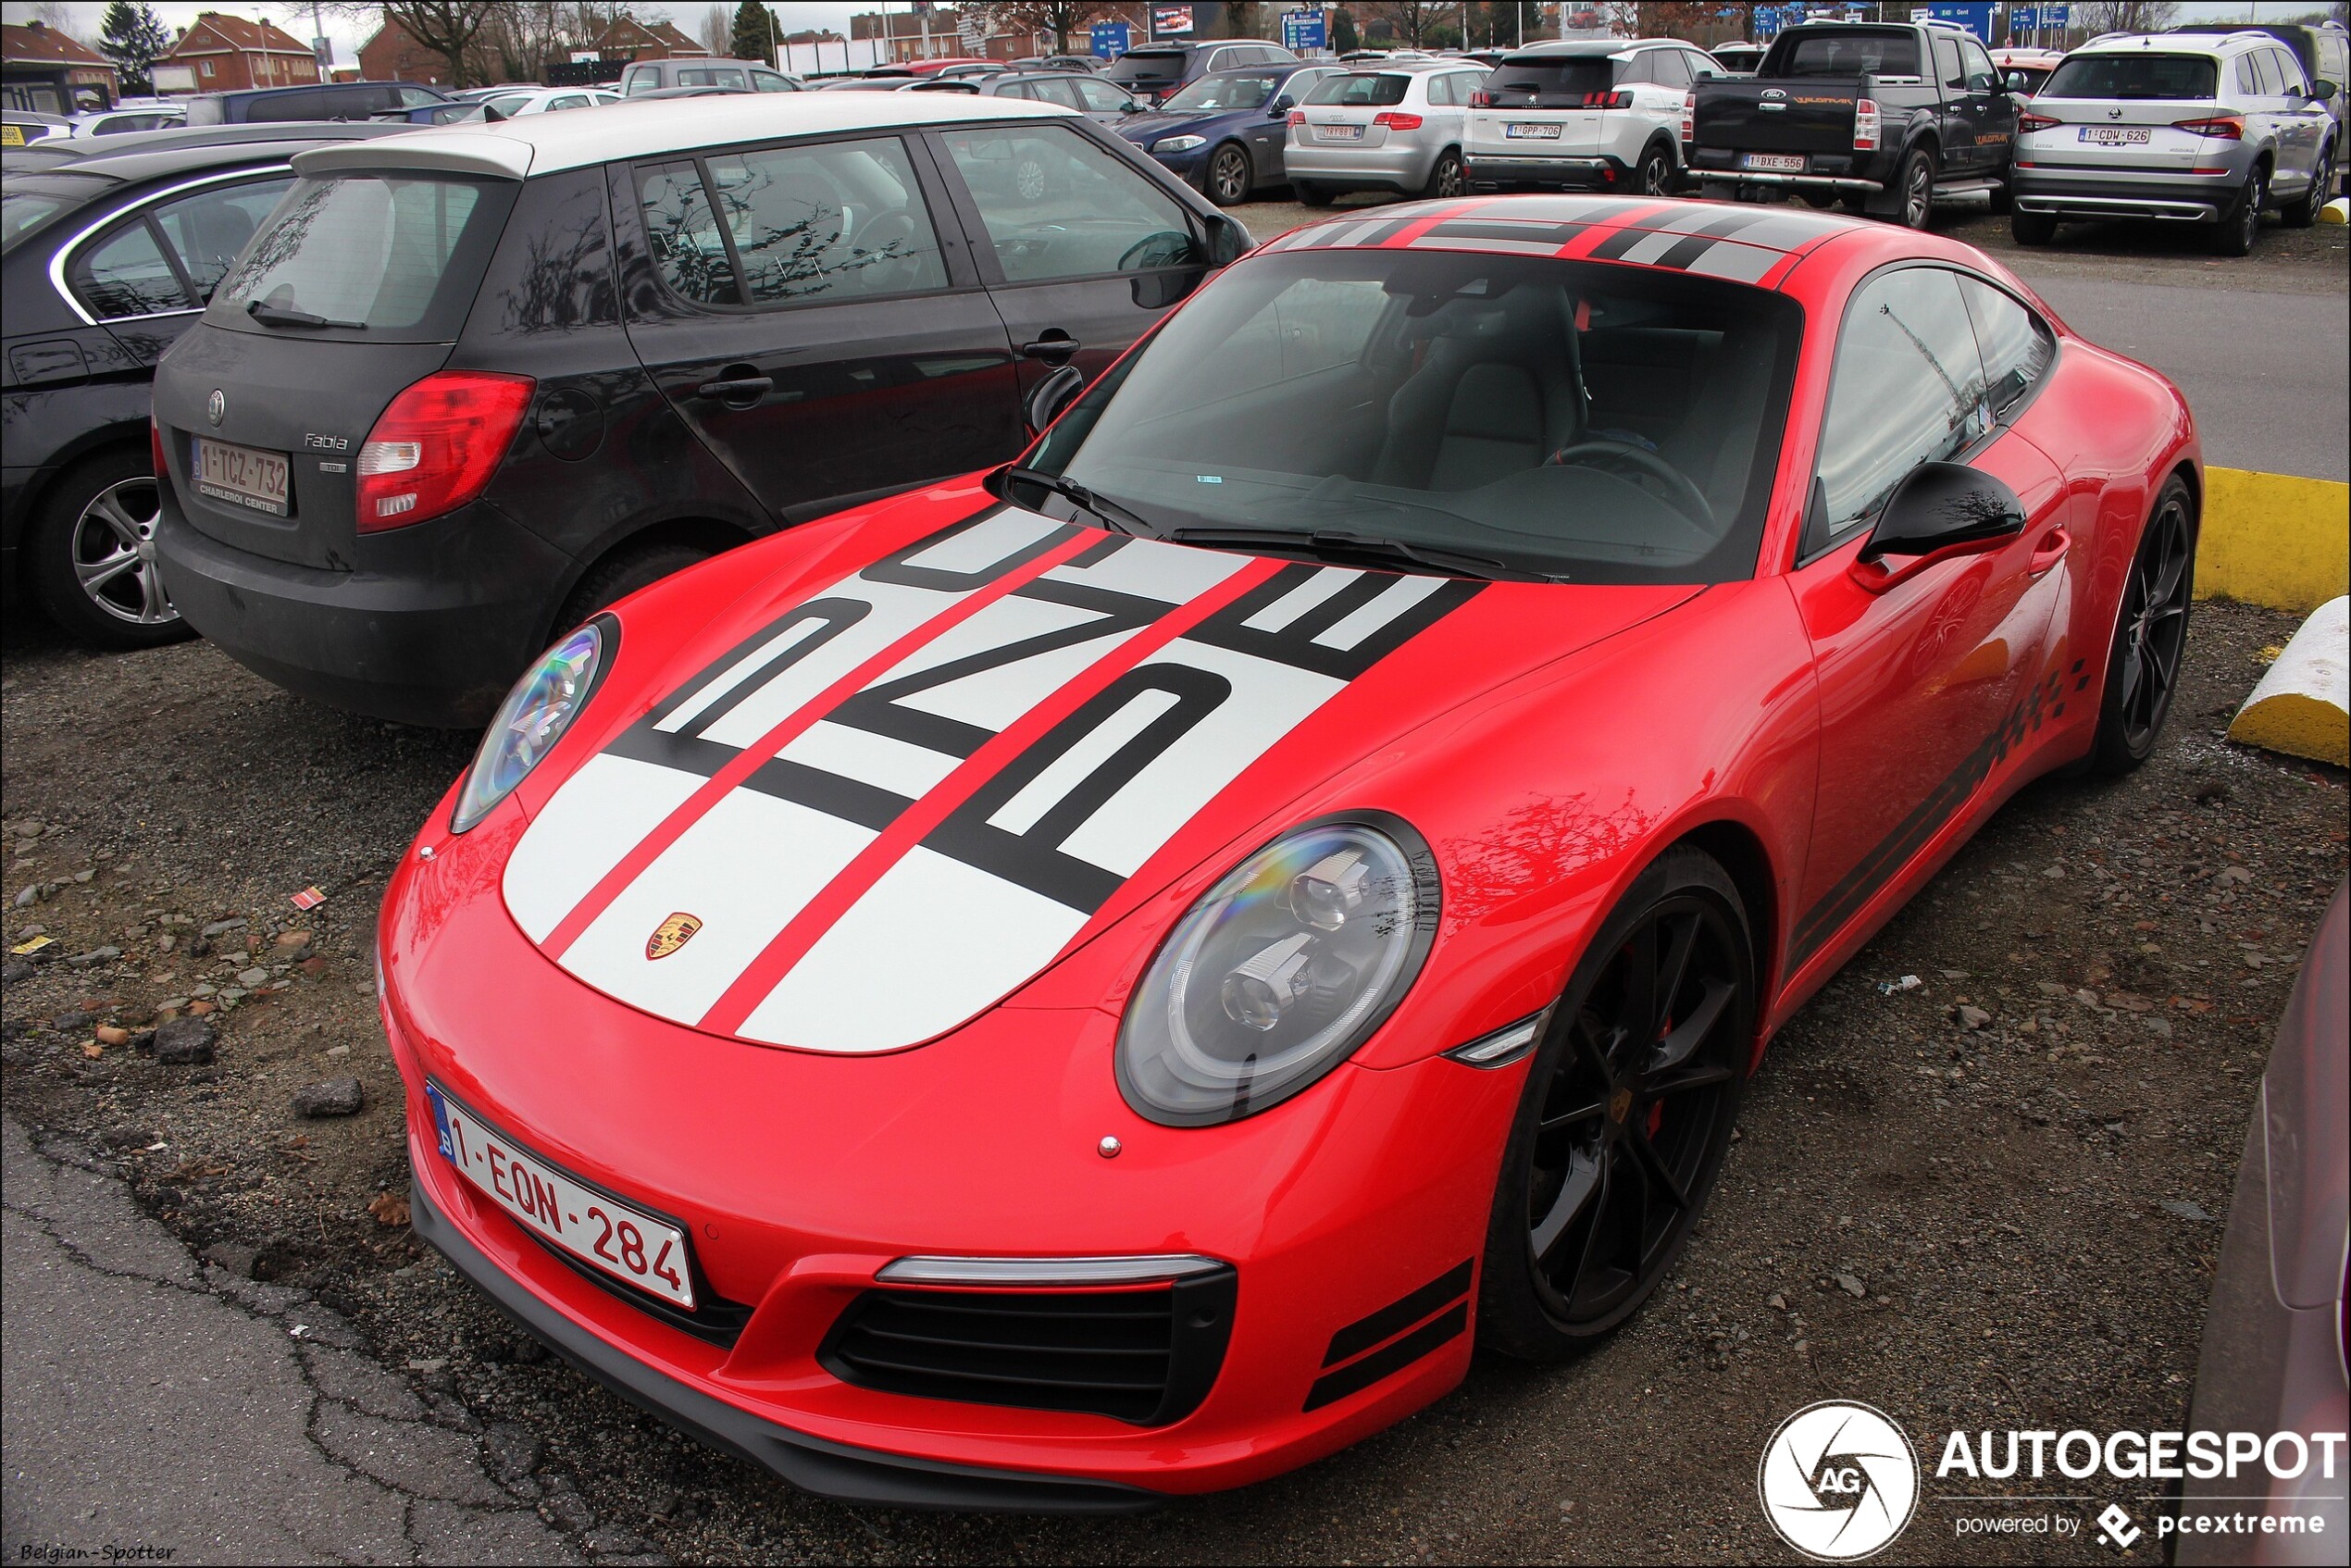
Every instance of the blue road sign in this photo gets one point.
(1108, 40)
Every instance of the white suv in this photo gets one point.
(1595, 114)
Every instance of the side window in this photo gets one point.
(1948, 65)
(2016, 348)
(207, 230)
(1101, 96)
(837, 221)
(1440, 92)
(687, 250)
(1700, 67)
(1634, 72)
(1016, 89)
(731, 79)
(568, 100)
(697, 78)
(639, 79)
(2248, 79)
(771, 81)
(1668, 68)
(1058, 206)
(127, 274)
(1907, 388)
(2289, 71)
(1978, 63)
(1054, 92)
(416, 97)
(2265, 75)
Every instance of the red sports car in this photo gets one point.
(1101, 980)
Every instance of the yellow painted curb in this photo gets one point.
(2299, 708)
(2335, 211)
(2273, 540)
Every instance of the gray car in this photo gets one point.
(1398, 130)
(2274, 1340)
(2210, 129)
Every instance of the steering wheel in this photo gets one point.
(1600, 452)
(890, 230)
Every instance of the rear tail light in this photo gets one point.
(435, 448)
(2029, 121)
(2228, 128)
(1865, 125)
(1389, 119)
(1481, 99)
(1297, 116)
(1608, 100)
(1689, 116)
(154, 450)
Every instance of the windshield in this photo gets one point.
(1362, 91)
(1146, 64)
(1211, 93)
(2134, 76)
(1577, 420)
(396, 256)
(1849, 51)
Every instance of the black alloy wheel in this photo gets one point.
(2143, 668)
(2241, 225)
(1657, 172)
(1627, 1114)
(2304, 214)
(1228, 176)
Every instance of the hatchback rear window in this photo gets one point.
(1551, 82)
(1147, 65)
(1849, 51)
(1362, 91)
(395, 257)
(2134, 76)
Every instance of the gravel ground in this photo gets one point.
(2006, 1223)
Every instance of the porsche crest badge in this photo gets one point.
(672, 934)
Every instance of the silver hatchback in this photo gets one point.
(1382, 131)
(2195, 128)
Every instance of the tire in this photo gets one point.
(1914, 190)
(1628, 1107)
(2238, 228)
(91, 554)
(1310, 195)
(1858, 204)
(2304, 214)
(1444, 180)
(1030, 181)
(623, 573)
(1655, 175)
(2032, 228)
(2150, 635)
(1228, 178)
(2003, 198)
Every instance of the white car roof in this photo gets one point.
(2220, 41)
(515, 149)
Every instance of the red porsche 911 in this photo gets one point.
(1102, 979)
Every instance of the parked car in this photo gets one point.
(1153, 71)
(459, 397)
(1104, 103)
(548, 100)
(2199, 128)
(2279, 1326)
(1736, 58)
(1227, 134)
(2023, 70)
(944, 65)
(1394, 130)
(125, 118)
(2324, 52)
(1104, 979)
(58, 150)
(105, 260)
(1085, 63)
(330, 100)
(701, 71)
(1579, 115)
(21, 128)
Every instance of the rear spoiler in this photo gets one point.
(442, 150)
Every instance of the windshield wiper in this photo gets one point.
(1109, 514)
(1332, 543)
(281, 315)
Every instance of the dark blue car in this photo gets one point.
(1223, 134)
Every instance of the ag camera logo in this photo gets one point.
(1839, 1481)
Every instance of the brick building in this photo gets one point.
(394, 54)
(628, 39)
(42, 69)
(218, 53)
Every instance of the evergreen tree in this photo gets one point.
(756, 33)
(133, 38)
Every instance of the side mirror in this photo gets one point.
(2323, 92)
(2016, 82)
(1279, 108)
(1051, 396)
(1943, 507)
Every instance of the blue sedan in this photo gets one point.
(1225, 133)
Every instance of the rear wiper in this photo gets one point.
(1335, 544)
(280, 315)
(1109, 514)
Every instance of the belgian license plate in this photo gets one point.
(1340, 132)
(2116, 136)
(242, 476)
(601, 1231)
(1523, 132)
(1775, 163)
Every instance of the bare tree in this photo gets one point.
(1413, 20)
(717, 31)
(2095, 17)
(1064, 20)
(452, 28)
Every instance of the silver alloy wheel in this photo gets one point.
(1657, 173)
(1228, 176)
(1917, 193)
(1449, 175)
(1029, 180)
(114, 553)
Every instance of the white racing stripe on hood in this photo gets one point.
(743, 870)
(602, 813)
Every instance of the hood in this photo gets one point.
(1145, 129)
(852, 813)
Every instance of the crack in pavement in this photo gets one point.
(154, 1402)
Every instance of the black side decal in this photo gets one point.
(1384, 1325)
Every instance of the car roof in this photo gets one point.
(135, 166)
(534, 144)
(1573, 47)
(2217, 41)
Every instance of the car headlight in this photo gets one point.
(533, 717)
(1179, 143)
(1279, 972)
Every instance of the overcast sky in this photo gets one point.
(348, 35)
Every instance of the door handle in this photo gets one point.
(2051, 550)
(1055, 347)
(737, 389)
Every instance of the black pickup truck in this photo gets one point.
(1886, 117)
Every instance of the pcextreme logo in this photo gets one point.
(1838, 1481)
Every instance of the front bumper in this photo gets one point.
(1191, 168)
(801, 1176)
(2095, 193)
(430, 628)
